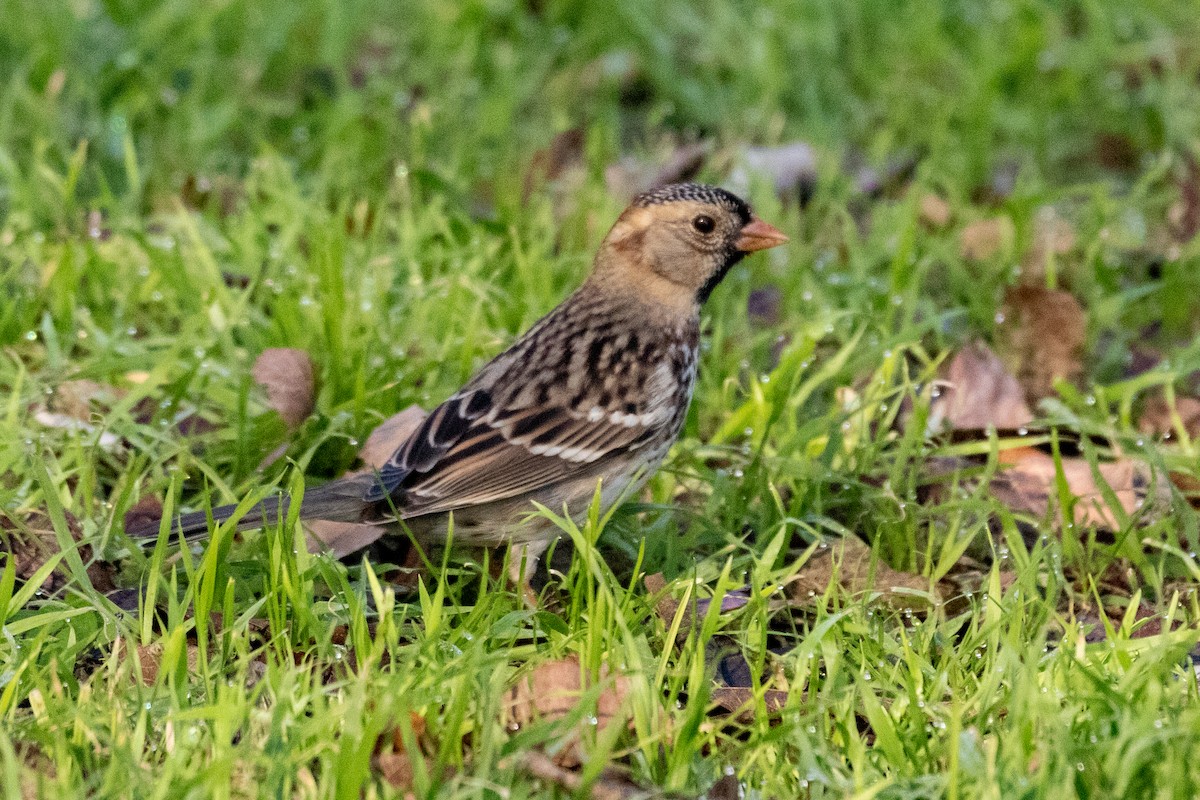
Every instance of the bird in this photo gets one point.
(592, 395)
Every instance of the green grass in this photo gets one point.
(183, 185)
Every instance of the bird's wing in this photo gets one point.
(470, 452)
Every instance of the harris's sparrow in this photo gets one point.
(596, 391)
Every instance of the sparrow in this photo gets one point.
(594, 394)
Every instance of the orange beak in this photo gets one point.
(758, 235)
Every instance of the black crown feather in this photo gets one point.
(695, 192)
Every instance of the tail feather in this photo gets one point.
(340, 501)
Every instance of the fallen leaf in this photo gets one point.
(741, 704)
(611, 784)
(1052, 237)
(1043, 332)
(1184, 214)
(727, 787)
(850, 562)
(145, 511)
(389, 435)
(287, 375)
(553, 689)
(1116, 152)
(392, 760)
(1158, 418)
(82, 399)
(149, 659)
(340, 539)
(40, 773)
(934, 211)
(667, 606)
(1029, 485)
(977, 392)
(106, 440)
(984, 238)
(30, 539)
(1188, 486)
(552, 162)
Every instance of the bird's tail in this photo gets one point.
(340, 500)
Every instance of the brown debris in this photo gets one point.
(1184, 214)
(1027, 483)
(934, 211)
(149, 659)
(1053, 237)
(287, 375)
(552, 691)
(394, 762)
(978, 393)
(612, 783)
(145, 511)
(552, 162)
(984, 238)
(343, 538)
(739, 702)
(1158, 419)
(1044, 333)
(30, 538)
(850, 562)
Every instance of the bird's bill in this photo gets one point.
(758, 235)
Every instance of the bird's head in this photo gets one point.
(677, 243)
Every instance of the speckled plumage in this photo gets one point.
(596, 391)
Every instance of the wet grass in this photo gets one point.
(182, 186)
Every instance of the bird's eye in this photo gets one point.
(704, 223)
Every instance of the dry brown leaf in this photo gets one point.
(850, 561)
(149, 659)
(740, 704)
(341, 539)
(1044, 333)
(1052, 236)
(1184, 214)
(1029, 485)
(144, 512)
(1188, 485)
(287, 375)
(934, 211)
(984, 238)
(978, 393)
(666, 606)
(1157, 418)
(394, 762)
(29, 537)
(552, 162)
(83, 398)
(388, 435)
(553, 690)
(73, 405)
(612, 783)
